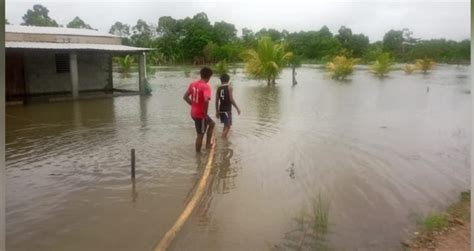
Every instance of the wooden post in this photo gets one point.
(133, 163)
(74, 74)
(141, 72)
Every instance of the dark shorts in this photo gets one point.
(226, 118)
(201, 124)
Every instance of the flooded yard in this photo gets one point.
(381, 151)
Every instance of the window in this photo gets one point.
(62, 63)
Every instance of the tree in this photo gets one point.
(125, 64)
(195, 33)
(382, 65)
(275, 35)
(79, 24)
(142, 34)
(169, 38)
(409, 68)
(372, 52)
(393, 41)
(313, 44)
(248, 37)
(221, 67)
(425, 64)
(38, 16)
(356, 44)
(224, 33)
(341, 67)
(267, 60)
(344, 36)
(120, 29)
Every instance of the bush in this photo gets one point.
(340, 67)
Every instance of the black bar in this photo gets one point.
(133, 163)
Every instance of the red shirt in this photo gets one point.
(200, 92)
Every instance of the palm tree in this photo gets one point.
(267, 60)
(409, 68)
(295, 61)
(221, 67)
(425, 64)
(125, 65)
(382, 65)
(340, 67)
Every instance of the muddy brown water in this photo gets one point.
(381, 151)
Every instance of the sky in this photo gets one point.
(426, 19)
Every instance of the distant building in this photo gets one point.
(49, 61)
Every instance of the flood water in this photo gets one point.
(380, 151)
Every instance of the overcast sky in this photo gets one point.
(427, 19)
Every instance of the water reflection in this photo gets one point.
(225, 172)
(144, 102)
(134, 192)
(266, 102)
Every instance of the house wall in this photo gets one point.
(93, 71)
(41, 76)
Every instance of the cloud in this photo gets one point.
(427, 19)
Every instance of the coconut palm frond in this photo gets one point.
(267, 60)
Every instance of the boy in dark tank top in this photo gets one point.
(224, 102)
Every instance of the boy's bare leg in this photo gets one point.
(210, 131)
(199, 142)
(225, 132)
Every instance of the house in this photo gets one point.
(51, 61)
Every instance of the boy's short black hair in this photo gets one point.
(206, 73)
(225, 78)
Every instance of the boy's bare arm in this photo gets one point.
(217, 103)
(186, 98)
(206, 105)
(232, 101)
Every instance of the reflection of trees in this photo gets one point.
(267, 101)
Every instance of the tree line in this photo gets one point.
(195, 40)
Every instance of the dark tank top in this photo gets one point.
(224, 98)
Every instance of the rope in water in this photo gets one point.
(196, 197)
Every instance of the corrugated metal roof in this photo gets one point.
(55, 31)
(73, 46)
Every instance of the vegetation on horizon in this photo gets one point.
(195, 40)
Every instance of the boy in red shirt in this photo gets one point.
(198, 96)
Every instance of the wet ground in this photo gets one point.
(380, 151)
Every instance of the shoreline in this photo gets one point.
(447, 230)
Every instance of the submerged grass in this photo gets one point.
(310, 228)
(320, 215)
